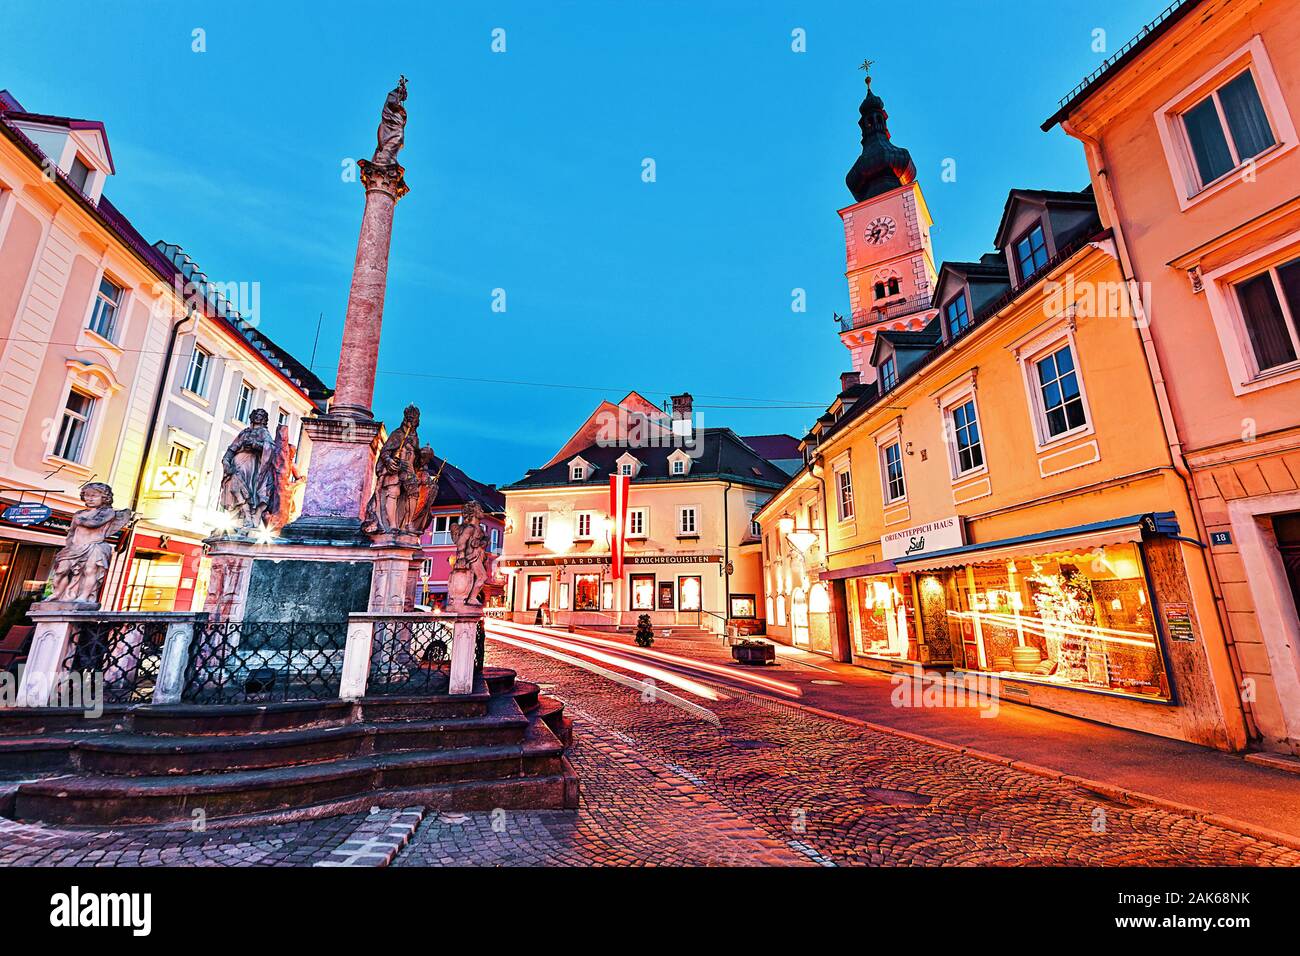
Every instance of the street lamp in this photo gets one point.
(801, 539)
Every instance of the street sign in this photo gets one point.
(26, 514)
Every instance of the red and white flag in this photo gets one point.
(619, 486)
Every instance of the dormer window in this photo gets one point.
(628, 464)
(1031, 253)
(957, 315)
(79, 173)
(679, 467)
(580, 469)
(888, 374)
(679, 463)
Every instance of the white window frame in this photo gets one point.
(1244, 373)
(1028, 353)
(949, 400)
(579, 519)
(894, 441)
(494, 540)
(536, 519)
(88, 422)
(440, 530)
(644, 515)
(205, 375)
(687, 529)
(845, 506)
(96, 382)
(243, 409)
(1173, 133)
(98, 300)
(577, 472)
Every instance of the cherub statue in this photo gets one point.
(82, 563)
(391, 136)
(469, 571)
(248, 479)
(419, 492)
(285, 478)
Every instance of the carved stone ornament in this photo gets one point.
(82, 563)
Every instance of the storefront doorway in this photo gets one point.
(799, 617)
(154, 581)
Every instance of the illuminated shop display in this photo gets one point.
(880, 611)
(1081, 619)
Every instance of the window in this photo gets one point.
(1058, 389)
(282, 419)
(967, 449)
(79, 173)
(178, 456)
(844, 493)
(537, 526)
(1270, 304)
(678, 467)
(577, 473)
(744, 606)
(880, 290)
(1227, 128)
(74, 426)
(494, 540)
(643, 592)
(584, 525)
(625, 468)
(888, 374)
(958, 316)
(103, 317)
(686, 521)
(1031, 253)
(538, 592)
(196, 376)
(586, 592)
(893, 286)
(636, 523)
(754, 527)
(440, 529)
(244, 404)
(690, 591)
(892, 459)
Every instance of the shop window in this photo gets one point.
(1079, 619)
(538, 592)
(879, 616)
(665, 595)
(690, 593)
(780, 611)
(643, 592)
(607, 595)
(154, 580)
(744, 606)
(586, 592)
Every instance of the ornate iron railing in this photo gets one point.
(126, 653)
(410, 656)
(251, 662)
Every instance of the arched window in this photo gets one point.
(893, 286)
(880, 290)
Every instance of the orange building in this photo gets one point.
(1191, 140)
(991, 495)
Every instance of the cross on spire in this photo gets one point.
(866, 68)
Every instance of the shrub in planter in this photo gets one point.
(645, 634)
(753, 652)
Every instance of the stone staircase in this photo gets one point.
(502, 746)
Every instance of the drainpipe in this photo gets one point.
(726, 559)
(1097, 160)
(147, 453)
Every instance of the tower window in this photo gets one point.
(880, 290)
(893, 286)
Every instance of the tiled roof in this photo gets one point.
(457, 488)
(773, 447)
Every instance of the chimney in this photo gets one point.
(682, 424)
(849, 379)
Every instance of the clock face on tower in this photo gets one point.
(880, 230)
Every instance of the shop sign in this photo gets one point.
(937, 535)
(584, 559)
(1178, 621)
(28, 514)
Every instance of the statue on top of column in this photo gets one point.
(392, 127)
(81, 565)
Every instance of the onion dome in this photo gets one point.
(882, 165)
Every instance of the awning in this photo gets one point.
(1080, 539)
(860, 571)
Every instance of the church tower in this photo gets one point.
(890, 264)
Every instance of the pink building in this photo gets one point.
(455, 490)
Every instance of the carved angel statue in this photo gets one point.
(248, 473)
(82, 563)
(391, 136)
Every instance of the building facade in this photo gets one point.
(691, 545)
(455, 490)
(97, 331)
(1190, 136)
(997, 499)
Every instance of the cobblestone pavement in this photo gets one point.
(773, 784)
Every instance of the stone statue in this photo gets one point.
(285, 479)
(420, 493)
(82, 564)
(469, 571)
(392, 127)
(248, 479)
(396, 481)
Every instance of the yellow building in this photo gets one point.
(691, 544)
(998, 497)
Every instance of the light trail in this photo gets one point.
(640, 686)
(754, 680)
(534, 635)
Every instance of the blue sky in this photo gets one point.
(525, 168)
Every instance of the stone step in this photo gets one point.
(29, 721)
(102, 800)
(24, 757)
(201, 719)
(525, 695)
